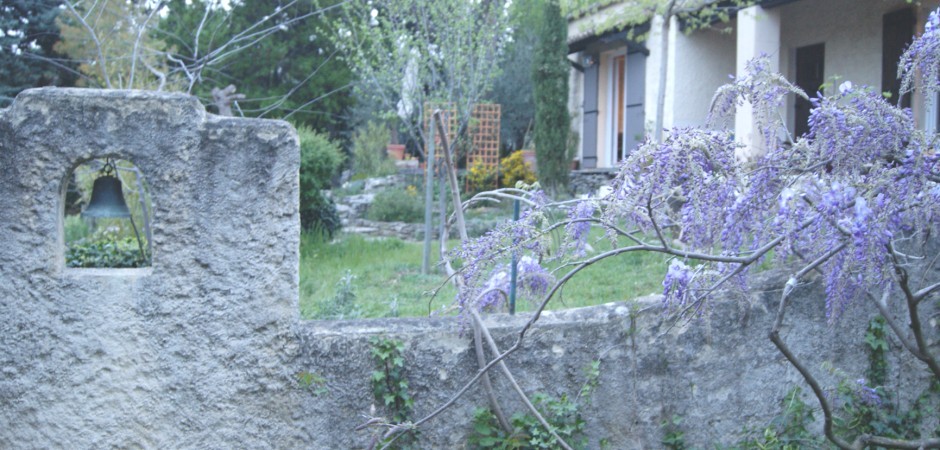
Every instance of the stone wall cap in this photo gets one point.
(92, 93)
(498, 321)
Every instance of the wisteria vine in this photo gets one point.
(857, 199)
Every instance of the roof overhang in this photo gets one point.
(767, 4)
(610, 39)
(733, 9)
(589, 39)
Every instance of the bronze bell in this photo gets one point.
(107, 199)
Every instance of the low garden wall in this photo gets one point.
(587, 182)
(205, 349)
(720, 373)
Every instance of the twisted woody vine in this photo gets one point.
(856, 199)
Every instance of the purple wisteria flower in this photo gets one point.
(763, 89)
(494, 291)
(485, 272)
(922, 55)
(867, 394)
(676, 284)
(578, 226)
(533, 278)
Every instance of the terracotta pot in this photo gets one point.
(395, 151)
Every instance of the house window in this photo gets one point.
(810, 70)
(617, 110)
(96, 233)
(627, 89)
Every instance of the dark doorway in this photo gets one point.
(897, 32)
(809, 77)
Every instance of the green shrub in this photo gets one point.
(480, 177)
(397, 205)
(103, 253)
(320, 160)
(108, 247)
(513, 168)
(318, 213)
(368, 149)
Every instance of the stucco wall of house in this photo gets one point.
(699, 64)
(654, 44)
(576, 105)
(851, 31)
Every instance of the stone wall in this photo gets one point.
(192, 352)
(589, 181)
(719, 372)
(202, 350)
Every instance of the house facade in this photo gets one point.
(817, 44)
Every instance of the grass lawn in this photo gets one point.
(387, 275)
(387, 279)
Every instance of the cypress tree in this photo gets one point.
(550, 79)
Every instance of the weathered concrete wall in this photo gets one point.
(202, 350)
(192, 352)
(720, 373)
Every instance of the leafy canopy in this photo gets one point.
(28, 35)
(408, 52)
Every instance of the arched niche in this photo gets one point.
(87, 240)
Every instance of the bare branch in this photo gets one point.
(901, 277)
(451, 176)
(140, 34)
(512, 381)
(487, 384)
(321, 97)
(94, 37)
(923, 293)
(889, 318)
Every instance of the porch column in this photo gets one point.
(758, 33)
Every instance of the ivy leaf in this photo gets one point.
(483, 429)
(876, 343)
